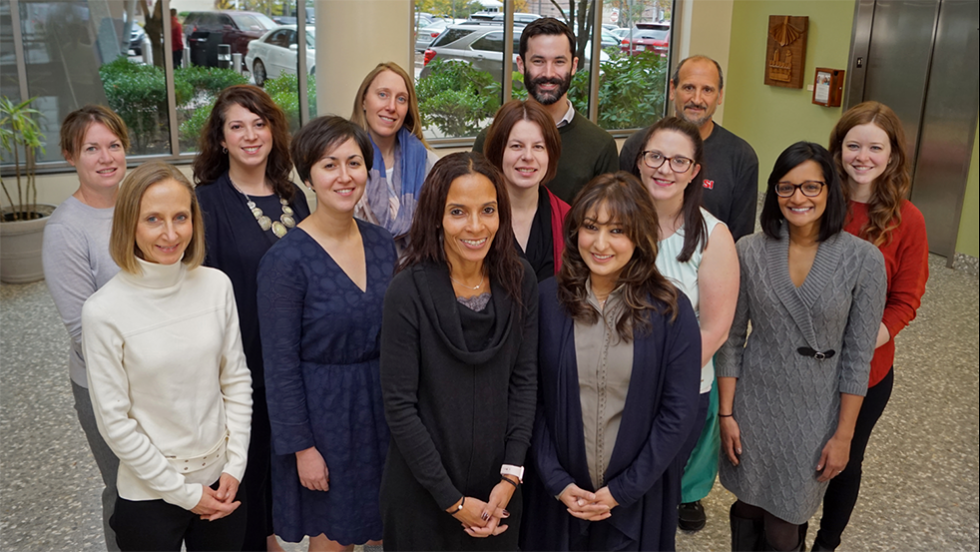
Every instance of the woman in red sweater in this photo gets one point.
(868, 145)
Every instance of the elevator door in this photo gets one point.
(920, 57)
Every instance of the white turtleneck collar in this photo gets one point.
(155, 275)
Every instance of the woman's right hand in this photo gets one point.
(731, 438)
(582, 504)
(210, 508)
(313, 472)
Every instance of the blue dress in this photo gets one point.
(320, 342)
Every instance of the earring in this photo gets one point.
(224, 150)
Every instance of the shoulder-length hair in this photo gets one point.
(695, 229)
(311, 143)
(885, 205)
(76, 124)
(211, 162)
(413, 120)
(832, 221)
(644, 289)
(503, 122)
(122, 242)
(425, 243)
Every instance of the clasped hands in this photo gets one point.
(216, 504)
(482, 519)
(587, 505)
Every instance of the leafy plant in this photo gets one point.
(19, 129)
(284, 91)
(457, 98)
(138, 93)
(209, 80)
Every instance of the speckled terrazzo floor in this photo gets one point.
(921, 472)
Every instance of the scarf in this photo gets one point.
(407, 179)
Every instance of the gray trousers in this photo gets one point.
(104, 458)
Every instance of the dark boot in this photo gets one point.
(747, 534)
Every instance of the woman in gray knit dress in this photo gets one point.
(790, 393)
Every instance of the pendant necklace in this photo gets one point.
(278, 227)
(474, 288)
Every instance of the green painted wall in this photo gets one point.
(771, 118)
(968, 239)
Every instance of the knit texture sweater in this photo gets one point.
(168, 379)
(586, 152)
(907, 267)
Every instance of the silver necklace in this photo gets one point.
(478, 286)
(279, 227)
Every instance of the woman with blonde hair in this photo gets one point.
(388, 109)
(868, 145)
(167, 376)
(94, 140)
(249, 203)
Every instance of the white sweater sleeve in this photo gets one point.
(108, 383)
(236, 389)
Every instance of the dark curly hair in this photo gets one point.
(645, 289)
(426, 235)
(211, 162)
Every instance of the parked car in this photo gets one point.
(425, 35)
(648, 37)
(235, 28)
(497, 17)
(136, 36)
(276, 52)
(481, 45)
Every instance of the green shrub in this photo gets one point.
(210, 80)
(193, 125)
(457, 98)
(284, 91)
(138, 93)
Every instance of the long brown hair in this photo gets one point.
(644, 289)
(413, 120)
(211, 162)
(503, 122)
(695, 229)
(885, 205)
(426, 235)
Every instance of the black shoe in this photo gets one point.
(690, 516)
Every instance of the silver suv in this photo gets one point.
(480, 44)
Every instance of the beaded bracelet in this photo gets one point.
(502, 478)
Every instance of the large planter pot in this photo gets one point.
(20, 247)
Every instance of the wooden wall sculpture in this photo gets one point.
(786, 50)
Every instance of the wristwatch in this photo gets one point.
(516, 471)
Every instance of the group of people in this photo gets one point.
(522, 347)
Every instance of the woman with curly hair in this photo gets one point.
(242, 172)
(868, 145)
(619, 357)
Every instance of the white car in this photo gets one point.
(274, 53)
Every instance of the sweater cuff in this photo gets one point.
(187, 497)
(514, 453)
(854, 388)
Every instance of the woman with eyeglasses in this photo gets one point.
(790, 393)
(697, 254)
(868, 145)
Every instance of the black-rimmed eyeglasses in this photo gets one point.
(655, 159)
(810, 188)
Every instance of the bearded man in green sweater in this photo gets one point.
(548, 65)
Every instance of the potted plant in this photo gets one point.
(22, 223)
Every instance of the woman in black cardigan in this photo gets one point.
(458, 368)
(620, 361)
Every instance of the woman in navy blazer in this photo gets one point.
(619, 361)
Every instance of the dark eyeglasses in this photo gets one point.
(810, 188)
(655, 159)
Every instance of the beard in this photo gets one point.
(549, 97)
(698, 121)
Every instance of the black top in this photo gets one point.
(540, 242)
(235, 245)
(456, 415)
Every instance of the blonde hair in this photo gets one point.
(76, 124)
(413, 120)
(122, 242)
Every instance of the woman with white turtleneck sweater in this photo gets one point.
(167, 375)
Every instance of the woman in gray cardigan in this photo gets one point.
(790, 393)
